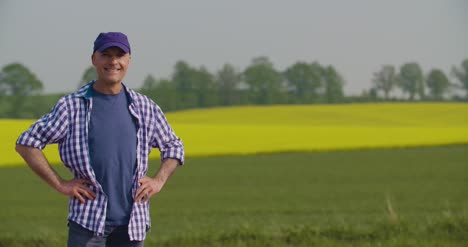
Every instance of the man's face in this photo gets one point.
(111, 65)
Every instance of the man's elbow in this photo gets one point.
(21, 149)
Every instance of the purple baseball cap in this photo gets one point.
(110, 39)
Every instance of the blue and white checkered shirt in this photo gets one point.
(67, 125)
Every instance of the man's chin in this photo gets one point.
(109, 81)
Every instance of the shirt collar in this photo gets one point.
(86, 91)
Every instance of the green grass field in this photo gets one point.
(337, 198)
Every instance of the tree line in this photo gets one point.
(258, 84)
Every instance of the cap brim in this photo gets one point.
(114, 44)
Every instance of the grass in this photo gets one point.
(292, 199)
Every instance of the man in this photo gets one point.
(105, 132)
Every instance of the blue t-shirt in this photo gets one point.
(112, 145)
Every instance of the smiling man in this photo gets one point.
(105, 133)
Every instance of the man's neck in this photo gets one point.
(107, 88)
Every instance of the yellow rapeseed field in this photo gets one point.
(255, 129)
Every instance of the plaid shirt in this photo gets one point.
(67, 124)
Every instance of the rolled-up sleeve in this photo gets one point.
(49, 129)
(165, 138)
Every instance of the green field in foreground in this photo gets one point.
(271, 129)
(296, 199)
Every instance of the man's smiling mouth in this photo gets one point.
(111, 69)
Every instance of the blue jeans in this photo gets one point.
(114, 236)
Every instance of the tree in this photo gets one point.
(205, 87)
(195, 87)
(149, 87)
(161, 91)
(385, 79)
(228, 80)
(183, 86)
(462, 75)
(367, 96)
(18, 81)
(333, 85)
(438, 84)
(265, 83)
(303, 82)
(411, 80)
(166, 95)
(89, 75)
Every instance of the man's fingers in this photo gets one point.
(142, 188)
(146, 197)
(142, 195)
(88, 193)
(80, 192)
(77, 189)
(79, 197)
(145, 191)
(84, 181)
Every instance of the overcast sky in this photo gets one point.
(54, 38)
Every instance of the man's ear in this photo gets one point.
(92, 58)
(129, 59)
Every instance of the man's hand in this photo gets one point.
(151, 186)
(77, 188)
(39, 164)
(148, 188)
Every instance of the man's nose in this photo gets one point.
(113, 59)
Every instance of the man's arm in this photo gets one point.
(151, 186)
(35, 158)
